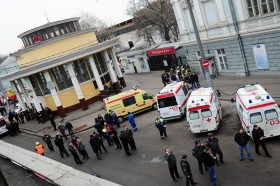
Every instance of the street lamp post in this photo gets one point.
(206, 73)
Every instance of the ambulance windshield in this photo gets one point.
(194, 115)
(167, 102)
(206, 113)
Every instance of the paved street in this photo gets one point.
(147, 165)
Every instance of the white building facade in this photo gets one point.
(241, 36)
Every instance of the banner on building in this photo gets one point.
(260, 57)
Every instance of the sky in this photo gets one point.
(18, 16)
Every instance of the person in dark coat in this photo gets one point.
(10, 129)
(21, 116)
(164, 79)
(95, 147)
(10, 116)
(108, 118)
(125, 143)
(74, 153)
(129, 136)
(196, 80)
(172, 164)
(114, 135)
(186, 169)
(52, 122)
(173, 77)
(210, 161)
(60, 144)
(115, 119)
(69, 127)
(100, 119)
(196, 152)
(258, 136)
(15, 127)
(160, 124)
(47, 139)
(191, 81)
(99, 140)
(82, 149)
(16, 116)
(99, 126)
(242, 138)
(48, 111)
(61, 128)
(213, 144)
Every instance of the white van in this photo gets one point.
(172, 99)
(204, 112)
(3, 127)
(256, 107)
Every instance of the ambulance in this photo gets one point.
(134, 101)
(172, 99)
(255, 106)
(204, 111)
(3, 127)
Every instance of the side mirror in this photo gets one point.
(232, 100)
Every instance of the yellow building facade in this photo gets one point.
(64, 68)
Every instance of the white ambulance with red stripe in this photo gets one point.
(172, 99)
(256, 107)
(204, 111)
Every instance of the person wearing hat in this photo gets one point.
(258, 137)
(160, 124)
(60, 144)
(47, 139)
(40, 149)
(69, 127)
(172, 164)
(213, 144)
(187, 170)
(242, 138)
(196, 152)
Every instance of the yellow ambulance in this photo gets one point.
(134, 101)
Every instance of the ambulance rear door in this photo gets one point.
(272, 120)
(208, 120)
(168, 106)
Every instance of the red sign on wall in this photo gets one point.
(161, 51)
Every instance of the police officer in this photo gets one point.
(74, 153)
(197, 152)
(61, 128)
(187, 170)
(213, 144)
(60, 144)
(69, 127)
(258, 136)
(160, 124)
(47, 139)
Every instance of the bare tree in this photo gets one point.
(88, 21)
(154, 15)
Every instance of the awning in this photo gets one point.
(161, 51)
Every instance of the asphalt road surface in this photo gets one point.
(147, 165)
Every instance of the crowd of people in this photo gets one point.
(182, 73)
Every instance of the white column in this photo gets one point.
(220, 7)
(116, 63)
(24, 94)
(179, 16)
(53, 91)
(75, 81)
(198, 13)
(96, 74)
(18, 95)
(110, 67)
(33, 95)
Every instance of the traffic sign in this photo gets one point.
(205, 63)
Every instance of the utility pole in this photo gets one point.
(205, 72)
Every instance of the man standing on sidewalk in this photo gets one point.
(187, 170)
(242, 138)
(172, 164)
(258, 136)
(47, 139)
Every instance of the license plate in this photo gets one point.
(165, 114)
(204, 131)
(196, 126)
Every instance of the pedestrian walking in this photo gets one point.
(125, 143)
(132, 121)
(60, 144)
(258, 137)
(210, 161)
(129, 137)
(74, 153)
(172, 164)
(69, 127)
(40, 149)
(52, 122)
(196, 80)
(242, 138)
(213, 144)
(160, 124)
(100, 142)
(82, 149)
(61, 128)
(196, 152)
(114, 135)
(186, 169)
(47, 139)
(95, 147)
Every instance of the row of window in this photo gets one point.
(61, 76)
(269, 115)
(205, 113)
(50, 32)
(131, 100)
(259, 7)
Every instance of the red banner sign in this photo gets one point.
(161, 51)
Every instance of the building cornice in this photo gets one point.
(51, 63)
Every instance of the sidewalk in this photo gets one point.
(151, 82)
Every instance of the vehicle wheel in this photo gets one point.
(154, 106)
(120, 119)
